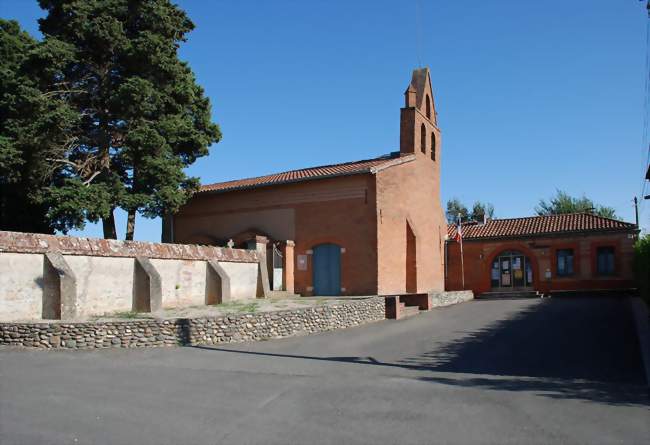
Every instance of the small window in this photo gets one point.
(564, 262)
(428, 108)
(433, 146)
(423, 138)
(605, 260)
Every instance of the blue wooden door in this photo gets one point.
(327, 269)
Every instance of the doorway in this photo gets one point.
(511, 270)
(411, 261)
(327, 269)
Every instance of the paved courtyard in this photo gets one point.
(492, 372)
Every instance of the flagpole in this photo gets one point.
(462, 262)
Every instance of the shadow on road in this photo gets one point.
(569, 348)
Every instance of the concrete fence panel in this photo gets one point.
(104, 284)
(184, 282)
(21, 286)
(243, 279)
(53, 277)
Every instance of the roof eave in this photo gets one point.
(397, 161)
(289, 181)
(551, 234)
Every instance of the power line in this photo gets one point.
(645, 144)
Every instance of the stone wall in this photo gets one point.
(441, 299)
(46, 277)
(199, 331)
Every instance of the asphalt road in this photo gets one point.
(488, 372)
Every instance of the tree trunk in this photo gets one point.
(109, 226)
(130, 225)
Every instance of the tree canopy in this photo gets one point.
(562, 203)
(479, 211)
(33, 122)
(119, 115)
(142, 116)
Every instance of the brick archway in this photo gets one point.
(516, 247)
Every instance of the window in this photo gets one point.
(605, 260)
(564, 259)
(428, 108)
(423, 138)
(433, 146)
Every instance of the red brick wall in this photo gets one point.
(411, 192)
(364, 214)
(478, 256)
(337, 210)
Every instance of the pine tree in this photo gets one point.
(142, 118)
(33, 124)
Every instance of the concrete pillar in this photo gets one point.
(263, 287)
(59, 288)
(147, 286)
(217, 284)
(287, 266)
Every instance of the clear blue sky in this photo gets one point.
(531, 96)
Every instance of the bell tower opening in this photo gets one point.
(418, 117)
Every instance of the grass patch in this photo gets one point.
(239, 306)
(125, 314)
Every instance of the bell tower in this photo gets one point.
(419, 131)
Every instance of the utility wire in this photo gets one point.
(645, 144)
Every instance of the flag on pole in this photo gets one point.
(459, 239)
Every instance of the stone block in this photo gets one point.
(59, 288)
(147, 286)
(217, 284)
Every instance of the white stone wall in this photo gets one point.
(21, 286)
(243, 279)
(183, 282)
(105, 284)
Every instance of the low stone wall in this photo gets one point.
(441, 299)
(198, 331)
(47, 277)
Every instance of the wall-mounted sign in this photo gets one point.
(302, 262)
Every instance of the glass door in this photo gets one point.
(511, 270)
(518, 271)
(506, 275)
(529, 274)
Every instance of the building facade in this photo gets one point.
(549, 254)
(366, 227)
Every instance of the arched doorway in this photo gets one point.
(411, 261)
(327, 269)
(511, 270)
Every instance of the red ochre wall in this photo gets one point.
(406, 195)
(338, 210)
(478, 257)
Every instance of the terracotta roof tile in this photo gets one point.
(539, 225)
(308, 174)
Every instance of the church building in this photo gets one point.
(366, 227)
